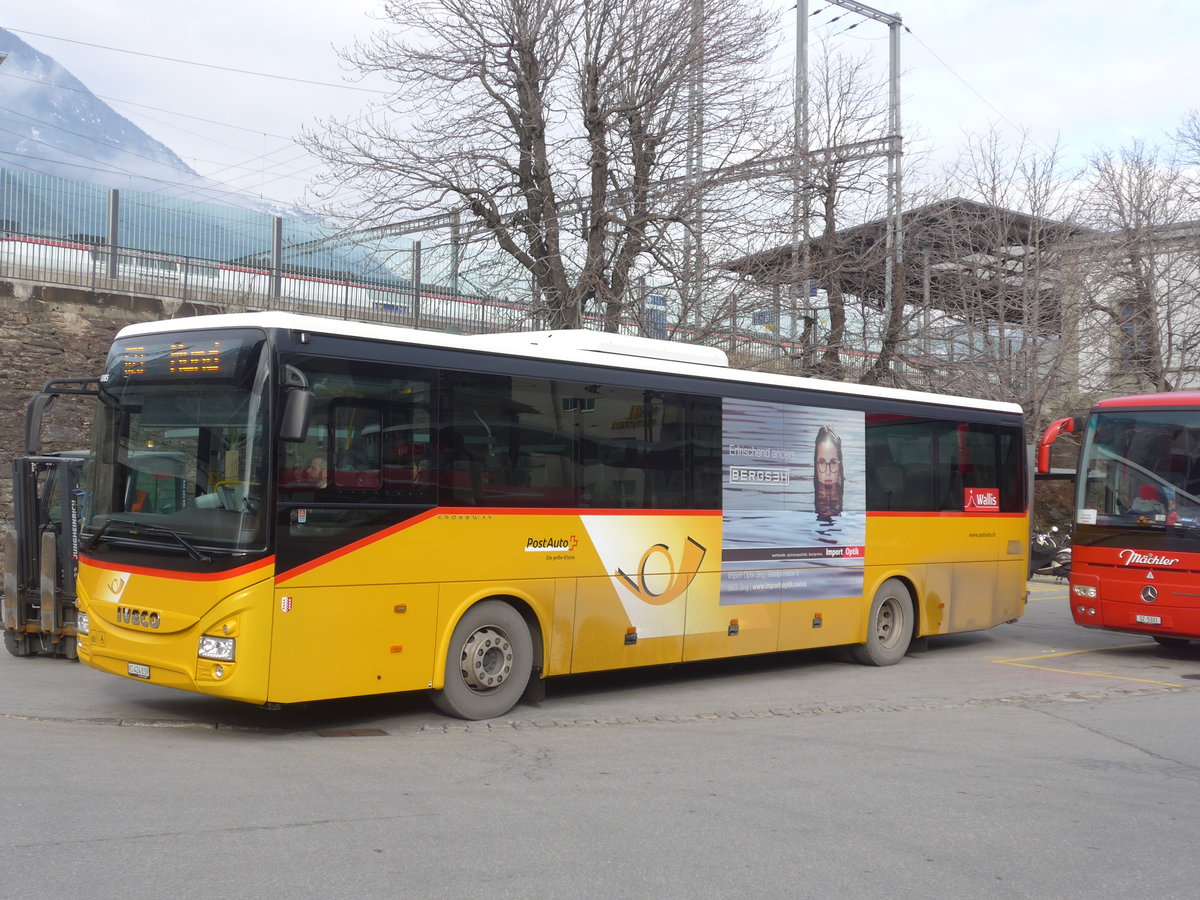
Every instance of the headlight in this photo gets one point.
(82, 626)
(216, 648)
(1084, 590)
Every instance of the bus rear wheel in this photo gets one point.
(889, 628)
(489, 663)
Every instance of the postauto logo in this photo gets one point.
(551, 544)
(677, 580)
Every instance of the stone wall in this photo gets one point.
(55, 332)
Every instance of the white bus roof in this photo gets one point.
(577, 346)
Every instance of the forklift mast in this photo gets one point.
(41, 548)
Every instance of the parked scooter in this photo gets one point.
(1061, 567)
(1046, 557)
(1042, 548)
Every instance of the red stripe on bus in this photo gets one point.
(357, 545)
(180, 576)
(942, 514)
(474, 512)
(599, 511)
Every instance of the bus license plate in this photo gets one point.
(1148, 620)
(137, 670)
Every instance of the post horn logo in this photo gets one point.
(693, 555)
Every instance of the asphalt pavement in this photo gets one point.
(1035, 760)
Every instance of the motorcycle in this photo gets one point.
(1046, 557)
(1061, 567)
(1042, 547)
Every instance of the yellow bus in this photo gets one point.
(357, 509)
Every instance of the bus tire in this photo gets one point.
(1173, 643)
(889, 628)
(489, 662)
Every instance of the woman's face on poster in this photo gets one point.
(828, 462)
(828, 476)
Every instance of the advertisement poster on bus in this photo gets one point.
(794, 498)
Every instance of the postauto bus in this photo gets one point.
(366, 509)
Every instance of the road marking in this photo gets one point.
(1047, 592)
(1022, 662)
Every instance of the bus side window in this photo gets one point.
(885, 479)
(900, 468)
(408, 456)
(356, 431)
(703, 438)
(459, 468)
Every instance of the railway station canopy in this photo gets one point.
(968, 259)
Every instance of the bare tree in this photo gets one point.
(849, 105)
(1144, 289)
(1187, 140)
(993, 275)
(568, 131)
(842, 183)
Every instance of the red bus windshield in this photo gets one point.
(1141, 468)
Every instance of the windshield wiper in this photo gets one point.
(192, 550)
(90, 541)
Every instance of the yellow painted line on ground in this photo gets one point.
(1023, 662)
(1047, 593)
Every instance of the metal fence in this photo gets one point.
(61, 232)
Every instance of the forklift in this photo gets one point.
(41, 548)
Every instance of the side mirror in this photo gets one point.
(297, 407)
(43, 399)
(33, 421)
(1069, 425)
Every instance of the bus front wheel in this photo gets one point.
(890, 627)
(1172, 643)
(489, 662)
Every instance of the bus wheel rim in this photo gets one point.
(888, 622)
(487, 659)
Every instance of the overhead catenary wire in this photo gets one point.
(124, 102)
(183, 187)
(971, 87)
(250, 167)
(204, 65)
(246, 165)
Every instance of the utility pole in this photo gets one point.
(694, 246)
(801, 195)
(893, 271)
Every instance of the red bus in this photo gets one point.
(1135, 563)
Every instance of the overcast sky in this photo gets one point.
(1090, 73)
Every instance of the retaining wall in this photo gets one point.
(56, 332)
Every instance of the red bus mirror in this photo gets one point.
(1049, 436)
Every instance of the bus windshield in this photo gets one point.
(180, 445)
(1141, 468)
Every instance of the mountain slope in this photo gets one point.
(52, 124)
